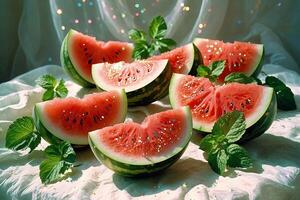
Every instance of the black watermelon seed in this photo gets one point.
(74, 120)
(81, 122)
(90, 61)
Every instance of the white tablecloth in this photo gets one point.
(276, 153)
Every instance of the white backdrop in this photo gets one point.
(43, 24)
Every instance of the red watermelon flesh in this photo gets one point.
(157, 135)
(85, 50)
(71, 118)
(180, 59)
(208, 102)
(239, 56)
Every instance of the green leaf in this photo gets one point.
(232, 125)
(158, 28)
(61, 90)
(238, 157)
(48, 95)
(137, 35)
(217, 68)
(46, 81)
(209, 143)
(284, 95)
(140, 51)
(21, 135)
(203, 71)
(166, 42)
(60, 158)
(218, 161)
(239, 78)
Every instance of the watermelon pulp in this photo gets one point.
(239, 56)
(208, 102)
(183, 60)
(71, 119)
(134, 149)
(79, 52)
(144, 81)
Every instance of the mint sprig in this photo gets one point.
(156, 42)
(212, 71)
(220, 144)
(53, 87)
(60, 158)
(22, 135)
(284, 95)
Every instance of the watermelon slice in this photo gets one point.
(79, 52)
(133, 149)
(239, 56)
(71, 119)
(183, 60)
(144, 81)
(208, 102)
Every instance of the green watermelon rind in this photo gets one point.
(257, 64)
(197, 60)
(129, 167)
(67, 63)
(54, 136)
(146, 93)
(263, 118)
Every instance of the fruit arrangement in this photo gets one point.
(212, 87)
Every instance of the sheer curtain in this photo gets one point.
(43, 25)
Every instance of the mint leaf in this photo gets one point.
(48, 95)
(217, 68)
(60, 158)
(239, 78)
(46, 81)
(232, 125)
(218, 161)
(209, 143)
(21, 135)
(203, 71)
(61, 90)
(165, 44)
(140, 51)
(53, 89)
(220, 147)
(157, 28)
(284, 95)
(136, 35)
(238, 157)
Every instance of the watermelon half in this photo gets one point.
(208, 102)
(241, 57)
(71, 119)
(132, 149)
(79, 52)
(183, 60)
(144, 81)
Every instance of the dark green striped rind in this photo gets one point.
(197, 61)
(262, 124)
(68, 65)
(131, 170)
(154, 91)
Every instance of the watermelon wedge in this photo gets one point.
(71, 119)
(144, 81)
(183, 60)
(208, 102)
(239, 56)
(79, 52)
(132, 149)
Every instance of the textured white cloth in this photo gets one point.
(276, 154)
